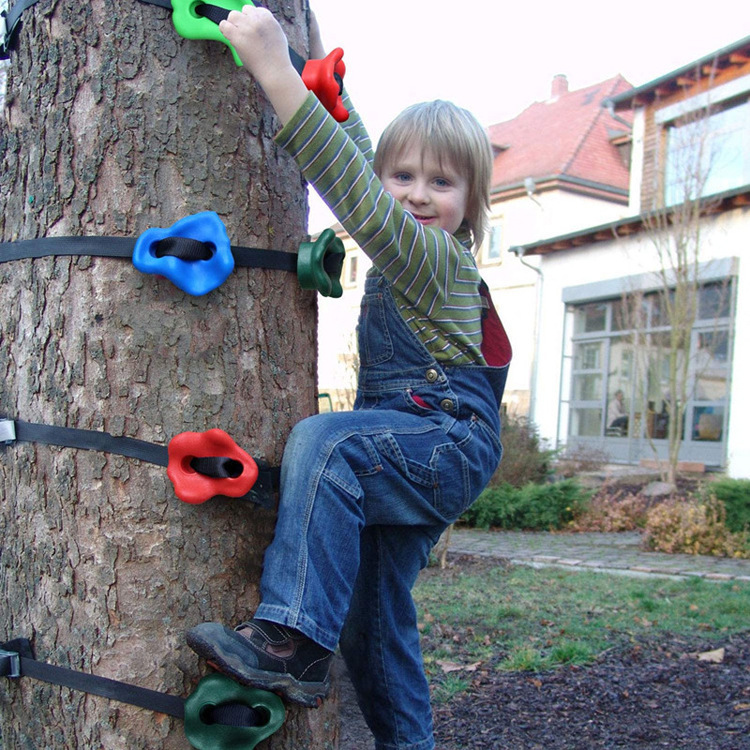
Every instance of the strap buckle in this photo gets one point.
(10, 663)
(7, 431)
(3, 36)
(11, 653)
(6, 35)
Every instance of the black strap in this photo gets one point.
(111, 247)
(213, 12)
(184, 248)
(233, 715)
(91, 440)
(262, 492)
(218, 467)
(17, 660)
(12, 19)
(122, 247)
(333, 263)
(19, 652)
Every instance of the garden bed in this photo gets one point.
(650, 691)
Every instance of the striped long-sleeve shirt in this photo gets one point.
(432, 273)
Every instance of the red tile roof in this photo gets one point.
(568, 136)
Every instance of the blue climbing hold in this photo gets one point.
(194, 253)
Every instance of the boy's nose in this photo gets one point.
(418, 192)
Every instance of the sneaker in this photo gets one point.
(266, 655)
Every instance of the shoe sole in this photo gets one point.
(309, 694)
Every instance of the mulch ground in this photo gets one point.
(648, 694)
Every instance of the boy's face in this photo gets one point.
(436, 195)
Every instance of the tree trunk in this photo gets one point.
(114, 124)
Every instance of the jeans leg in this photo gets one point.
(380, 640)
(340, 472)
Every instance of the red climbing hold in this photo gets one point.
(193, 483)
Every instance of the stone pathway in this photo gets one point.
(614, 553)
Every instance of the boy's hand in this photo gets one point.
(258, 39)
(262, 46)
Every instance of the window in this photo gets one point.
(591, 317)
(708, 152)
(351, 269)
(623, 365)
(493, 248)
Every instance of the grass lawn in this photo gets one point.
(518, 618)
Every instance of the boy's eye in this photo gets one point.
(442, 182)
(402, 176)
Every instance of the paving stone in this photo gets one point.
(618, 552)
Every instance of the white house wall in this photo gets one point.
(513, 287)
(725, 236)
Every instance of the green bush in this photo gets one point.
(533, 507)
(735, 496)
(524, 459)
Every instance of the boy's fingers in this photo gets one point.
(232, 18)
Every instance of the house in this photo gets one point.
(604, 377)
(559, 165)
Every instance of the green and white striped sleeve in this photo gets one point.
(433, 273)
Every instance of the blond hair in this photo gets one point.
(452, 135)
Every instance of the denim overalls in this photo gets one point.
(365, 495)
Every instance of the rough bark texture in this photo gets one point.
(114, 124)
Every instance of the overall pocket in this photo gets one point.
(375, 345)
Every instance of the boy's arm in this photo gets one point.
(353, 125)
(262, 46)
(341, 172)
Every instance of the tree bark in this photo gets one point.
(114, 124)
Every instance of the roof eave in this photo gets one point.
(726, 201)
(626, 100)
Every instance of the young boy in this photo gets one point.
(366, 494)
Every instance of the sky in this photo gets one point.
(496, 58)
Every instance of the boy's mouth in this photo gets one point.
(424, 219)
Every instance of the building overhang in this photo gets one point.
(714, 204)
(736, 54)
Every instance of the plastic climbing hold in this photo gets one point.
(204, 728)
(325, 79)
(205, 464)
(319, 264)
(192, 25)
(194, 253)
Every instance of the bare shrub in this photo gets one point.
(579, 460)
(613, 510)
(524, 458)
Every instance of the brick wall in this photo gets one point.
(654, 142)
